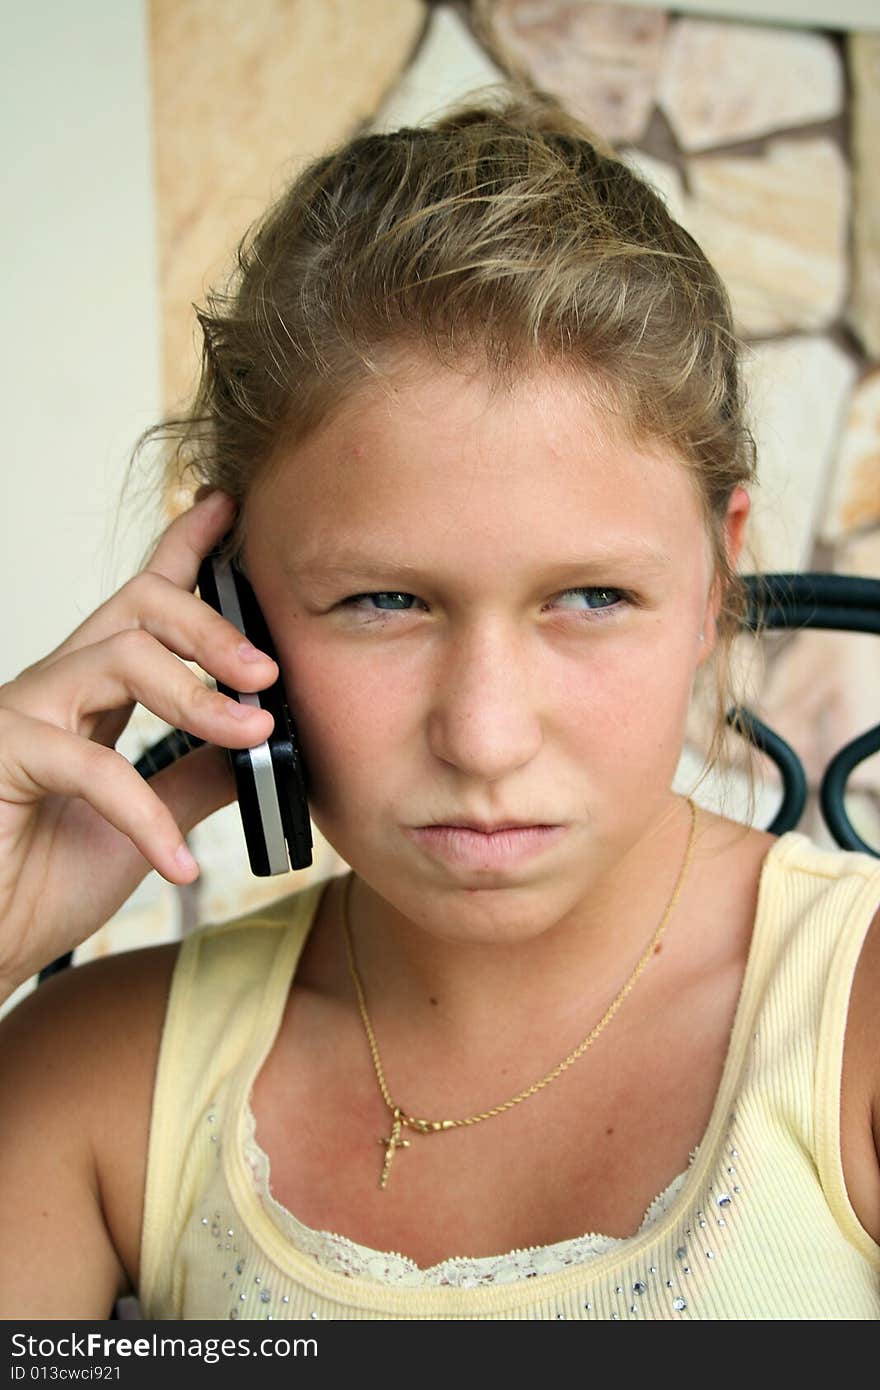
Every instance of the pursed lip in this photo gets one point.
(489, 828)
(501, 848)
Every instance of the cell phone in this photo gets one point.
(271, 778)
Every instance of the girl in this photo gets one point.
(561, 1044)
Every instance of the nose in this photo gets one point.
(484, 719)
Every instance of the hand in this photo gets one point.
(79, 828)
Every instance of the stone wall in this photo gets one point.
(763, 140)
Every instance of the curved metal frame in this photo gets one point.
(837, 602)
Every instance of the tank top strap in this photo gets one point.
(819, 906)
(230, 985)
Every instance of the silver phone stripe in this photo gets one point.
(261, 759)
(228, 596)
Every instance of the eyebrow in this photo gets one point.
(357, 564)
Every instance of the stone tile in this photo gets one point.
(602, 60)
(817, 690)
(726, 81)
(449, 65)
(775, 227)
(854, 495)
(796, 390)
(864, 309)
(243, 96)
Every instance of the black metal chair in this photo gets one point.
(841, 603)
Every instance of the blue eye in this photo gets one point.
(609, 599)
(400, 603)
(595, 601)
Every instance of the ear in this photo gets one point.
(738, 509)
(734, 535)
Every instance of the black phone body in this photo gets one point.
(271, 778)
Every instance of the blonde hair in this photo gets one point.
(503, 235)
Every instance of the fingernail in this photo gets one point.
(239, 711)
(248, 652)
(213, 494)
(184, 860)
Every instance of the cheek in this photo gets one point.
(616, 702)
(348, 713)
(629, 703)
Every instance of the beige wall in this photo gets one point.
(80, 360)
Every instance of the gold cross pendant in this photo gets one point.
(393, 1142)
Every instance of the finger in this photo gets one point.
(190, 537)
(195, 631)
(196, 786)
(181, 622)
(181, 549)
(54, 761)
(135, 666)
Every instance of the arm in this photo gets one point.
(79, 1059)
(79, 828)
(860, 1092)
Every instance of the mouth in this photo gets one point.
(473, 846)
(489, 828)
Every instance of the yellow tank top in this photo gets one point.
(760, 1227)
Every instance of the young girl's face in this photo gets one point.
(486, 611)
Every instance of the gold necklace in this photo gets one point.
(401, 1120)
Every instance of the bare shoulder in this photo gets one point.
(729, 860)
(860, 1088)
(79, 1063)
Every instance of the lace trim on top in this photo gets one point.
(343, 1256)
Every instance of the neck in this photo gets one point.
(444, 994)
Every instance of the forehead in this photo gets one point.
(435, 458)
